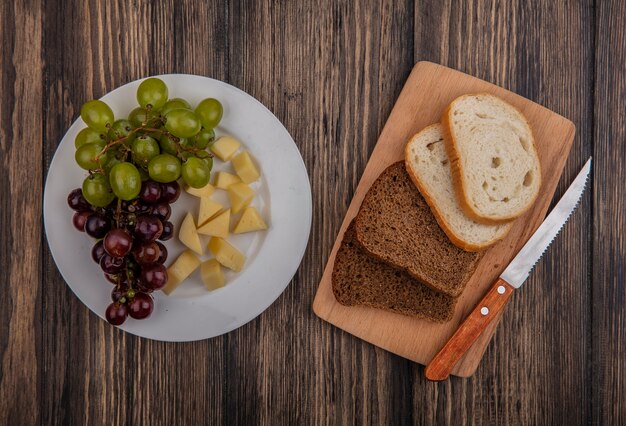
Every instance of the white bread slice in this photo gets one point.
(494, 160)
(427, 163)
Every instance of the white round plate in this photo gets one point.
(283, 197)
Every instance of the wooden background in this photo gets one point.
(331, 72)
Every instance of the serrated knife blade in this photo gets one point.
(513, 277)
(518, 270)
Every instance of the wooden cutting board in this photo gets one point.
(428, 90)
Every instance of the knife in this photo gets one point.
(512, 278)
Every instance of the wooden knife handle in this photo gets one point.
(487, 309)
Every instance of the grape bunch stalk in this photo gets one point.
(133, 166)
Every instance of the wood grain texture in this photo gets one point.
(609, 217)
(427, 92)
(331, 71)
(20, 186)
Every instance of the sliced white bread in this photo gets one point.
(494, 160)
(427, 163)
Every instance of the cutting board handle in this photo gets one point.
(487, 309)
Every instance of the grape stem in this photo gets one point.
(125, 138)
(118, 211)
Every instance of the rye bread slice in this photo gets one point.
(396, 225)
(360, 279)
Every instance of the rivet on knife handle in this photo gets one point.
(487, 309)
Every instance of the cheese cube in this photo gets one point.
(245, 168)
(212, 274)
(226, 254)
(205, 191)
(250, 221)
(182, 267)
(188, 235)
(218, 226)
(224, 179)
(225, 147)
(240, 196)
(208, 209)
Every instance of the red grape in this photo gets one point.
(150, 192)
(111, 265)
(118, 292)
(77, 202)
(118, 242)
(170, 192)
(116, 313)
(162, 255)
(154, 277)
(162, 211)
(148, 228)
(146, 253)
(97, 225)
(168, 231)
(140, 306)
(79, 220)
(97, 251)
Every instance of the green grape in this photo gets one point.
(182, 123)
(208, 161)
(125, 181)
(97, 115)
(168, 145)
(176, 103)
(86, 136)
(138, 117)
(121, 129)
(97, 190)
(152, 91)
(144, 149)
(164, 168)
(210, 112)
(203, 138)
(195, 172)
(86, 155)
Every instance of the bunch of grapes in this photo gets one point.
(134, 164)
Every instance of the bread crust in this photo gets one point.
(456, 240)
(452, 149)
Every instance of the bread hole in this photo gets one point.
(485, 185)
(482, 115)
(444, 162)
(494, 178)
(505, 199)
(524, 142)
(456, 112)
(431, 145)
(528, 179)
(495, 162)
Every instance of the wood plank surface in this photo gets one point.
(609, 217)
(21, 174)
(331, 71)
(427, 92)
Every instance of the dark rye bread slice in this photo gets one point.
(396, 225)
(360, 279)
